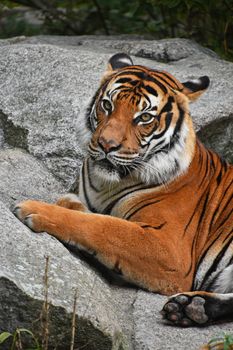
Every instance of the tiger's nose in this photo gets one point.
(108, 145)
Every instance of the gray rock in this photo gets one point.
(167, 50)
(152, 334)
(23, 177)
(218, 135)
(40, 102)
(45, 86)
(22, 290)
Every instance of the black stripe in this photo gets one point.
(179, 122)
(174, 138)
(224, 164)
(228, 235)
(228, 187)
(168, 106)
(198, 231)
(92, 148)
(207, 168)
(89, 179)
(219, 177)
(176, 133)
(147, 98)
(123, 88)
(158, 144)
(164, 81)
(225, 219)
(169, 78)
(216, 262)
(145, 77)
(212, 162)
(89, 109)
(167, 147)
(131, 82)
(193, 214)
(168, 120)
(222, 171)
(203, 209)
(123, 80)
(141, 207)
(92, 209)
(109, 208)
(226, 204)
(123, 96)
(135, 82)
(154, 227)
(148, 135)
(150, 90)
(203, 256)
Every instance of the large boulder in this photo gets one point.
(45, 86)
(22, 177)
(23, 258)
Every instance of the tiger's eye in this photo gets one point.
(146, 117)
(106, 104)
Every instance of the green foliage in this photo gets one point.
(206, 21)
(17, 339)
(224, 339)
(4, 336)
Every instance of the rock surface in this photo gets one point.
(21, 290)
(45, 85)
(23, 177)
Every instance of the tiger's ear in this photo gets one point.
(195, 88)
(117, 61)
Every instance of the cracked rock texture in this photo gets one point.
(45, 85)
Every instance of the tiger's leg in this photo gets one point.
(200, 307)
(121, 245)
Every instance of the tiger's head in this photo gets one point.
(140, 123)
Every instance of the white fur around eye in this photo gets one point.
(142, 122)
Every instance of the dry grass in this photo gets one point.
(43, 342)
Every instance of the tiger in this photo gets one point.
(154, 205)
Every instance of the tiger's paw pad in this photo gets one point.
(184, 310)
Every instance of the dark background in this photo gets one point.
(209, 22)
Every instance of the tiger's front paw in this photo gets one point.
(38, 216)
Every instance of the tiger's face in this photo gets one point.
(139, 122)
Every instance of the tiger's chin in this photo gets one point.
(106, 172)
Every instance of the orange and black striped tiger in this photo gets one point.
(154, 204)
